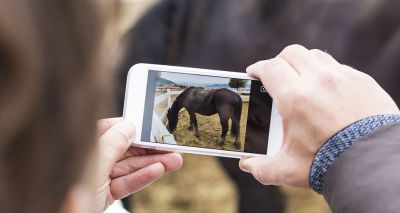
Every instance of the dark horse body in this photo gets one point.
(224, 102)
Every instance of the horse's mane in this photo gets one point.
(177, 105)
(184, 93)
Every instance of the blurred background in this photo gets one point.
(202, 185)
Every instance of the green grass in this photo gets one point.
(210, 131)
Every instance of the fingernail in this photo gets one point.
(250, 68)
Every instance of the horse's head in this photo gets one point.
(172, 120)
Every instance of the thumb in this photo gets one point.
(262, 168)
(114, 143)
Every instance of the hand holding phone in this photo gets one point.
(123, 169)
(201, 111)
(317, 97)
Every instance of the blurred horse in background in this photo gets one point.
(232, 34)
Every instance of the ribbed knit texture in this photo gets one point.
(340, 142)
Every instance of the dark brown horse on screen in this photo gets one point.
(224, 102)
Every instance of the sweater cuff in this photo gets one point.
(340, 142)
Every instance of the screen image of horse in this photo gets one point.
(201, 111)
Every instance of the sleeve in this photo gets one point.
(358, 169)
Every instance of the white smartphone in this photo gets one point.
(201, 111)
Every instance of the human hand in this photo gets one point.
(124, 169)
(316, 97)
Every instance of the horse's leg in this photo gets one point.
(190, 128)
(237, 143)
(193, 120)
(235, 127)
(235, 130)
(224, 124)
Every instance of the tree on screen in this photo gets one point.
(237, 83)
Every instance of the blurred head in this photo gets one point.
(51, 79)
(172, 117)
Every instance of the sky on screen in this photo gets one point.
(189, 79)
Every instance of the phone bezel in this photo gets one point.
(136, 87)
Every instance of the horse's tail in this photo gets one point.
(237, 113)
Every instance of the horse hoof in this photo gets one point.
(237, 145)
(197, 135)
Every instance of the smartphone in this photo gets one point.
(201, 111)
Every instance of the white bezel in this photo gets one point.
(135, 95)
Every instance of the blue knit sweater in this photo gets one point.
(340, 142)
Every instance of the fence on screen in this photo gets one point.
(159, 132)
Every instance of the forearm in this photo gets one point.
(360, 164)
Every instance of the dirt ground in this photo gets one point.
(201, 186)
(210, 131)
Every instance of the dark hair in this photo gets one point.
(51, 78)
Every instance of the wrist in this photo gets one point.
(340, 142)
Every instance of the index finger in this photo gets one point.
(275, 74)
(300, 58)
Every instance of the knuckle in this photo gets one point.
(121, 134)
(155, 172)
(125, 131)
(319, 53)
(292, 50)
(315, 50)
(328, 79)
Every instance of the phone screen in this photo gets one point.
(206, 111)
